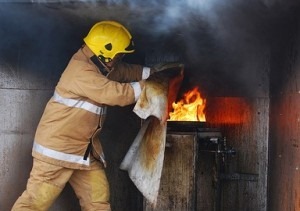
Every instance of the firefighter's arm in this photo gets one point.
(164, 66)
(124, 72)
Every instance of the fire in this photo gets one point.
(190, 108)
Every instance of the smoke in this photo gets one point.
(218, 40)
(221, 41)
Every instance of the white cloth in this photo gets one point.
(144, 160)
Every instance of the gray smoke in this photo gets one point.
(222, 42)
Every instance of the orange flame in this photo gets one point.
(190, 108)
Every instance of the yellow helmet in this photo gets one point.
(108, 38)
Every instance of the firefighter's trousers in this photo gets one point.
(46, 182)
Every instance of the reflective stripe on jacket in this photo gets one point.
(78, 108)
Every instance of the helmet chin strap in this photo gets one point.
(104, 69)
(101, 66)
(108, 69)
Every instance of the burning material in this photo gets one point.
(190, 108)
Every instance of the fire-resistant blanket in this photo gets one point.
(144, 159)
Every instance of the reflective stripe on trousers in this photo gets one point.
(60, 155)
(47, 181)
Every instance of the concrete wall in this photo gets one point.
(35, 46)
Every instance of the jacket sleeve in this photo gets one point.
(124, 72)
(91, 84)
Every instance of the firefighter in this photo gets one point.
(66, 146)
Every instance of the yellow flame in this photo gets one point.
(190, 108)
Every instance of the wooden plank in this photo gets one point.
(244, 123)
(205, 181)
(177, 188)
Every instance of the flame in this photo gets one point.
(190, 108)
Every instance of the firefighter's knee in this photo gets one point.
(92, 189)
(37, 197)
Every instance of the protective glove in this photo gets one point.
(164, 66)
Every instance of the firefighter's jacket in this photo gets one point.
(78, 108)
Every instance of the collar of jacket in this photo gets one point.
(86, 50)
